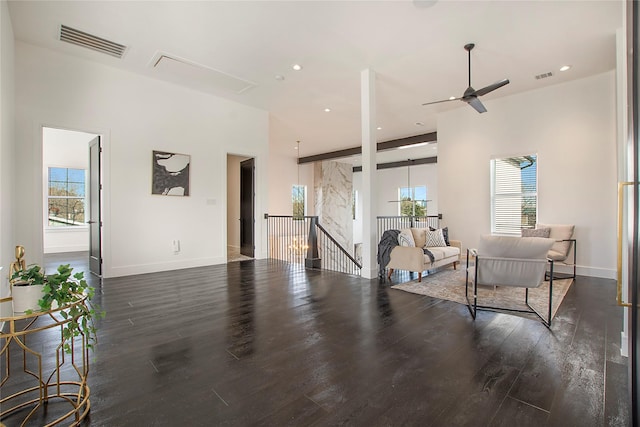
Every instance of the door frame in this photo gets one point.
(93, 200)
(252, 219)
(259, 180)
(105, 159)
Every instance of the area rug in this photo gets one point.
(449, 285)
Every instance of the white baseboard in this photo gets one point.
(603, 273)
(60, 249)
(369, 273)
(131, 270)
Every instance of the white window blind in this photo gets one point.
(514, 194)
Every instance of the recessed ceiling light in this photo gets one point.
(451, 98)
(379, 128)
(297, 67)
(565, 67)
(327, 110)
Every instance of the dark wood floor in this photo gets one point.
(266, 343)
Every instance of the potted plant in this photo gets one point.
(72, 295)
(27, 289)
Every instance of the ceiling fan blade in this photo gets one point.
(444, 100)
(475, 103)
(491, 87)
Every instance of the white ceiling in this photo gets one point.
(415, 48)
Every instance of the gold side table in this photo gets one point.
(64, 385)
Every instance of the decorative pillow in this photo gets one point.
(445, 234)
(405, 238)
(434, 239)
(536, 232)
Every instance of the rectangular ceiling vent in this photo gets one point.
(80, 38)
(544, 75)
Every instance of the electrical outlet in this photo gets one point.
(176, 246)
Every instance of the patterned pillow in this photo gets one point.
(536, 232)
(405, 238)
(445, 234)
(435, 239)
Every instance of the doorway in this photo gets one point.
(72, 195)
(240, 208)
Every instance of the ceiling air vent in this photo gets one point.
(544, 75)
(80, 38)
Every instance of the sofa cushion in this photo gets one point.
(405, 238)
(514, 247)
(559, 232)
(419, 236)
(442, 252)
(434, 239)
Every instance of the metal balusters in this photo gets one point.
(400, 222)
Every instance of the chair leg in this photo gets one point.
(390, 273)
(420, 276)
(455, 263)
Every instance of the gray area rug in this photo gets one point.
(449, 285)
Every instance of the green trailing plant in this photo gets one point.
(67, 290)
(34, 275)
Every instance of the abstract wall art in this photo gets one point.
(170, 174)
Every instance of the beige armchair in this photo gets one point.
(563, 247)
(509, 261)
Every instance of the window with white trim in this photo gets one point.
(514, 194)
(66, 197)
(413, 201)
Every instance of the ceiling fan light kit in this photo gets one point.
(471, 95)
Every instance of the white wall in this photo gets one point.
(66, 149)
(7, 149)
(389, 180)
(136, 115)
(572, 128)
(284, 173)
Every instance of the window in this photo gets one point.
(66, 197)
(413, 201)
(514, 194)
(299, 200)
(354, 205)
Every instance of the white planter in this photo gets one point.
(26, 298)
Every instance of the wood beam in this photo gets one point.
(411, 162)
(381, 146)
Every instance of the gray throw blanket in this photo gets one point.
(428, 253)
(388, 241)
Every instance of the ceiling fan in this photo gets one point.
(471, 96)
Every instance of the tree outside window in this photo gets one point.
(413, 201)
(298, 199)
(66, 197)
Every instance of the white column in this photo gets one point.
(369, 183)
